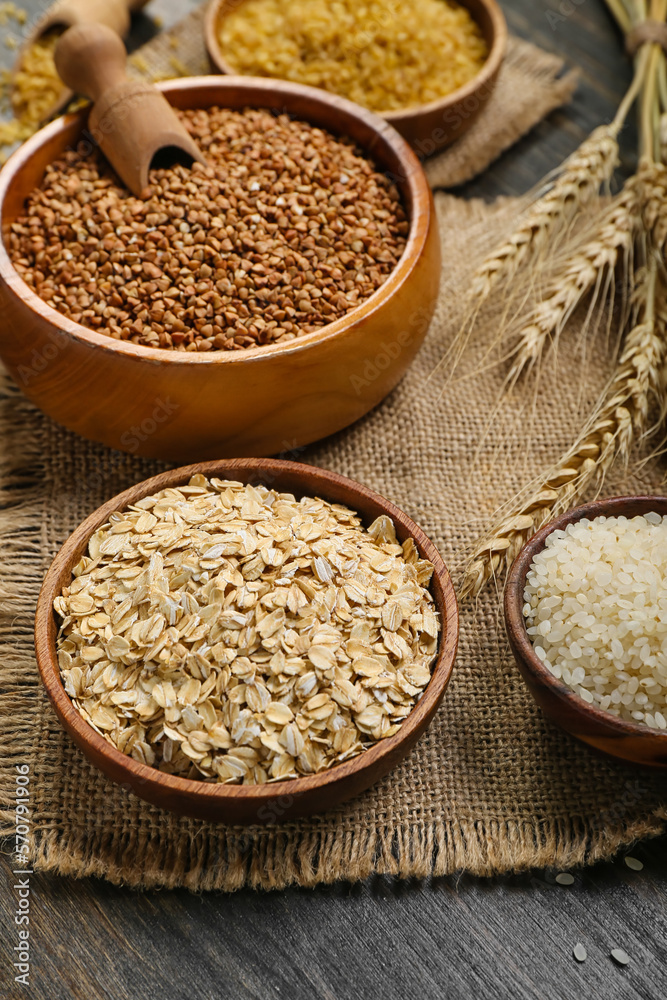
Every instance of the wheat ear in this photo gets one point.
(582, 272)
(581, 177)
(652, 178)
(622, 414)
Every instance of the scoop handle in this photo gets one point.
(130, 120)
(91, 60)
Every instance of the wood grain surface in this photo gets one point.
(444, 939)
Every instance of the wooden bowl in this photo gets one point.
(250, 803)
(628, 741)
(428, 127)
(187, 407)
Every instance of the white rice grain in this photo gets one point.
(595, 604)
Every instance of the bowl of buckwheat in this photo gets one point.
(271, 296)
(234, 635)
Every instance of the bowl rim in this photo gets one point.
(411, 175)
(481, 79)
(515, 622)
(148, 776)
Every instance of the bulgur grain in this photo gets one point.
(10, 12)
(384, 54)
(35, 88)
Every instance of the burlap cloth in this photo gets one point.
(491, 787)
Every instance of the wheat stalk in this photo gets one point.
(581, 272)
(581, 177)
(622, 414)
(577, 184)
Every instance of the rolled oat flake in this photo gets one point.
(230, 633)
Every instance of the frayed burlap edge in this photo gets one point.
(22, 534)
(269, 859)
(279, 860)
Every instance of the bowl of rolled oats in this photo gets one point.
(273, 296)
(230, 635)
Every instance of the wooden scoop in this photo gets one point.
(64, 14)
(130, 120)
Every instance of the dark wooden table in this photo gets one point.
(380, 940)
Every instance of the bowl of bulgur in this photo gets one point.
(253, 305)
(428, 67)
(246, 640)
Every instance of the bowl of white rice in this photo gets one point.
(586, 617)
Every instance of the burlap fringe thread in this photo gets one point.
(275, 861)
(265, 859)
